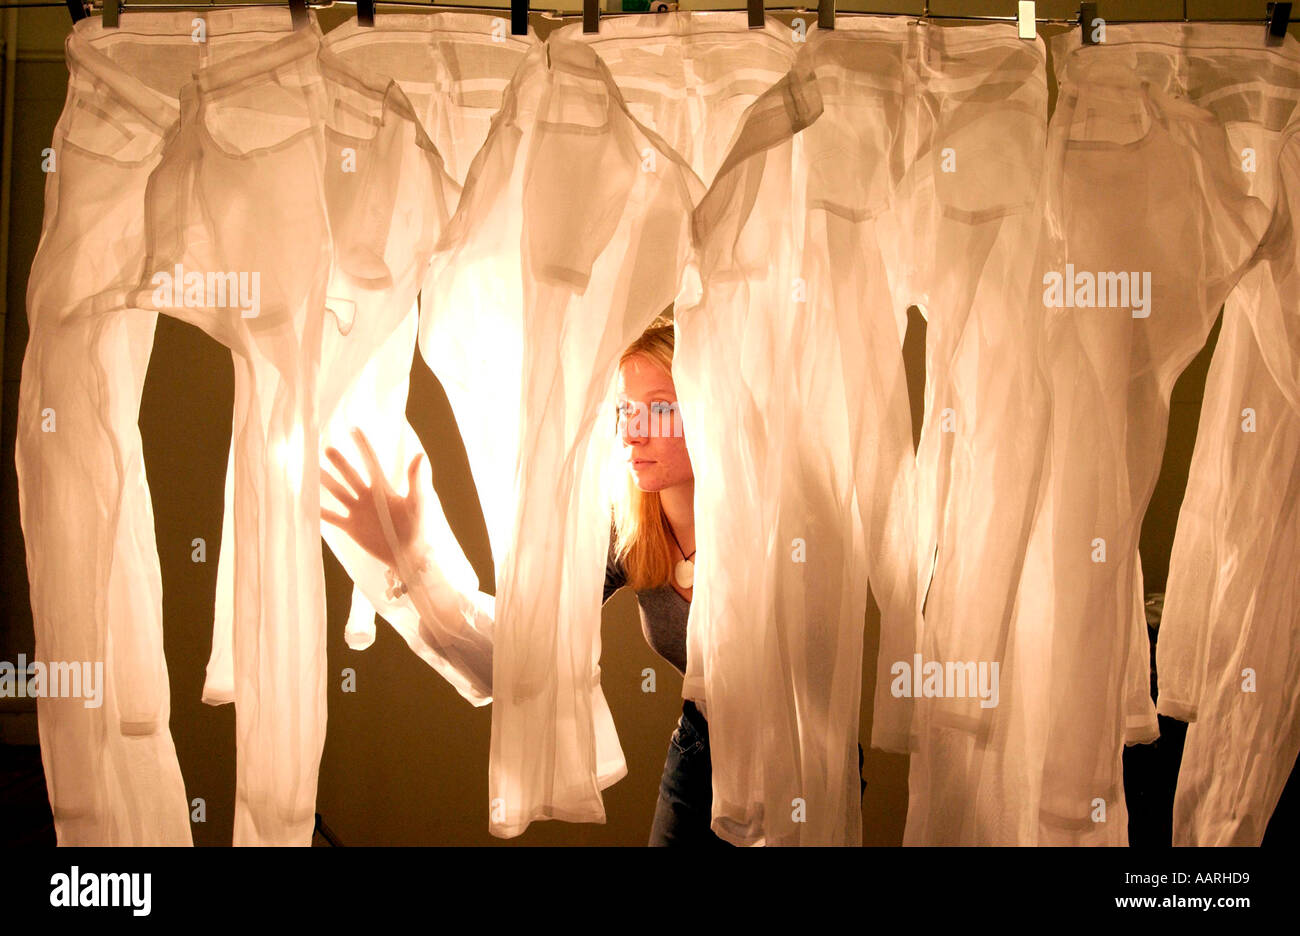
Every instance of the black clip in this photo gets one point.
(518, 17)
(591, 16)
(755, 13)
(825, 14)
(298, 10)
(365, 12)
(1279, 16)
(1087, 16)
(78, 10)
(112, 8)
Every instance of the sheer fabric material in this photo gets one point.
(221, 171)
(1133, 159)
(385, 218)
(386, 183)
(651, 66)
(1236, 552)
(1224, 657)
(531, 280)
(966, 181)
(95, 584)
(773, 430)
(454, 69)
(945, 131)
(719, 95)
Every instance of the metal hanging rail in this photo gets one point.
(505, 10)
(1277, 14)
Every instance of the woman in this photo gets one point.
(652, 548)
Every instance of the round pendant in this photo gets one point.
(684, 572)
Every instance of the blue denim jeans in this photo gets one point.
(686, 788)
(682, 815)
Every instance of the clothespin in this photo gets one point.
(755, 13)
(365, 12)
(825, 14)
(591, 16)
(1026, 20)
(518, 17)
(298, 9)
(1087, 16)
(78, 10)
(1279, 16)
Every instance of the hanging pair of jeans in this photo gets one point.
(968, 214)
(247, 164)
(949, 213)
(775, 421)
(1150, 223)
(385, 186)
(96, 589)
(143, 133)
(535, 259)
(1225, 656)
(453, 68)
(818, 286)
(388, 197)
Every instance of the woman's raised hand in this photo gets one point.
(362, 521)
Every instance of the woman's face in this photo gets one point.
(650, 425)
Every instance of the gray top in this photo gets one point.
(663, 613)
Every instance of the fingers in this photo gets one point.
(413, 475)
(335, 487)
(330, 516)
(347, 471)
(368, 455)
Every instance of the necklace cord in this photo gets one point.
(675, 540)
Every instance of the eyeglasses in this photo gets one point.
(650, 417)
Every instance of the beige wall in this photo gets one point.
(405, 758)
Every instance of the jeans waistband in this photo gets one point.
(282, 44)
(695, 718)
(687, 25)
(430, 27)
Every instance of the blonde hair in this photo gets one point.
(642, 543)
